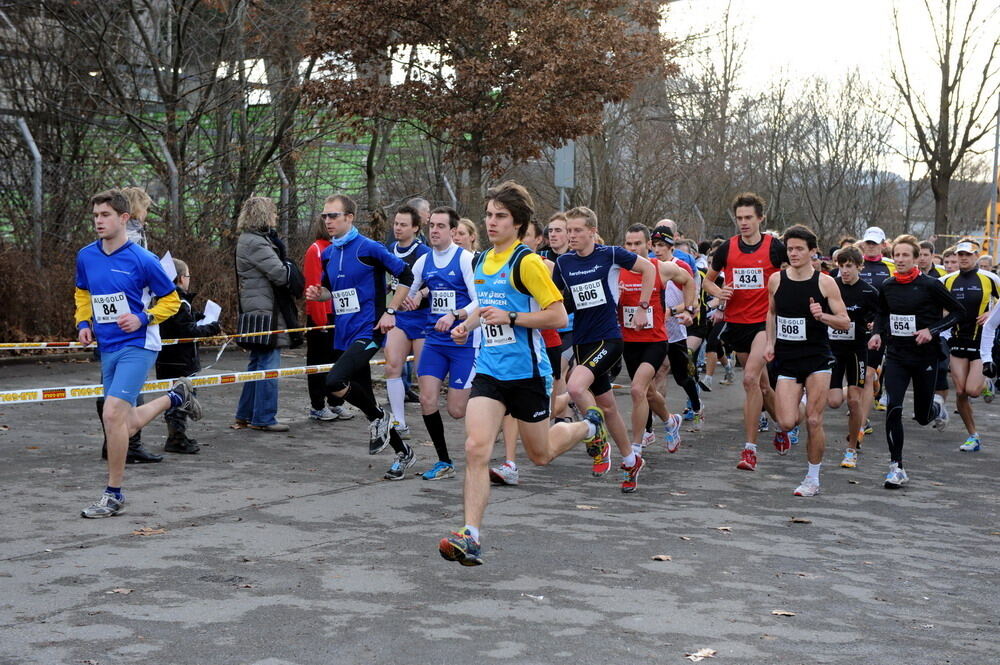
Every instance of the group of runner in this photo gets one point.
(525, 340)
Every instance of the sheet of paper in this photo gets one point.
(212, 311)
(168, 266)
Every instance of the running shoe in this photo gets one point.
(324, 414)
(748, 460)
(378, 430)
(462, 547)
(602, 461)
(672, 433)
(648, 438)
(809, 487)
(793, 435)
(782, 443)
(763, 424)
(850, 460)
(597, 445)
(404, 461)
(342, 412)
(971, 445)
(880, 405)
(505, 474)
(868, 429)
(439, 471)
(727, 377)
(688, 413)
(189, 403)
(697, 421)
(941, 419)
(107, 506)
(705, 382)
(861, 437)
(402, 430)
(630, 475)
(988, 391)
(896, 477)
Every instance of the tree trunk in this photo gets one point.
(941, 187)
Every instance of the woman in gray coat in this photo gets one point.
(259, 269)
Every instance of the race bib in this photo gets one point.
(628, 316)
(791, 330)
(108, 307)
(497, 334)
(903, 325)
(748, 278)
(841, 335)
(588, 294)
(345, 301)
(443, 302)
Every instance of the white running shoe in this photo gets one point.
(342, 412)
(672, 433)
(505, 474)
(648, 438)
(379, 434)
(809, 487)
(896, 477)
(402, 430)
(941, 419)
(324, 414)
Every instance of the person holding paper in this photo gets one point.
(177, 360)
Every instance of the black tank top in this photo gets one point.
(797, 330)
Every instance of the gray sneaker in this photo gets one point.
(107, 506)
(190, 404)
(378, 430)
(404, 461)
(325, 414)
(341, 412)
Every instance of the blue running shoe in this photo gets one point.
(763, 424)
(462, 547)
(688, 413)
(793, 435)
(439, 471)
(971, 445)
(672, 433)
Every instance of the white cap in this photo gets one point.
(966, 248)
(874, 234)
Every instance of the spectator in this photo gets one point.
(177, 360)
(259, 271)
(466, 235)
(986, 263)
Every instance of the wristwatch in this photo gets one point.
(390, 310)
(689, 309)
(512, 316)
(457, 313)
(644, 304)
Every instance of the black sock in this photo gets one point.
(649, 421)
(361, 396)
(435, 428)
(397, 443)
(691, 388)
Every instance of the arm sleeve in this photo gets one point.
(989, 335)
(418, 275)
(324, 280)
(312, 270)
(265, 258)
(948, 302)
(719, 258)
(535, 277)
(165, 307)
(469, 274)
(168, 301)
(84, 308)
(882, 320)
(392, 264)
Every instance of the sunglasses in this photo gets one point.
(331, 215)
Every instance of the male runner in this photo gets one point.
(925, 262)
(802, 303)
(588, 275)
(850, 347)
(976, 289)
(116, 280)
(875, 270)
(517, 298)
(748, 260)
(447, 273)
(354, 270)
(408, 334)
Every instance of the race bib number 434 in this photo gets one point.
(748, 278)
(588, 294)
(109, 306)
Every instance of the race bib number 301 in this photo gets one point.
(345, 301)
(903, 325)
(588, 294)
(748, 278)
(109, 306)
(791, 329)
(443, 302)
(497, 334)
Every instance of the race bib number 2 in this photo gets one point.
(748, 278)
(628, 317)
(588, 294)
(109, 306)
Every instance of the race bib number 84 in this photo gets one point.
(109, 306)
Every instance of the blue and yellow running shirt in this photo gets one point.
(877, 271)
(590, 284)
(975, 289)
(123, 282)
(506, 352)
(355, 275)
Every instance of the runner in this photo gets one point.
(748, 261)
(949, 259)
(354, 269)
(588, 274)
(976, 289)
(408, 334)
(645, 349)
(850, 348)
(926, 260)
(517, 298)
(558, 240)
(447, 272)
(874, 271)
(116, 280)
(908, 325)
(802, 303)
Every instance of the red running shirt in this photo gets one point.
(629, 289)
(747, 274)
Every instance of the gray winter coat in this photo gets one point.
(259, 270)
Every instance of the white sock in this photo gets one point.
(473, 531)
(397, 399)
(630, 460)
(813, 472)
(512, 464)
(637, 448)
(750, 446)
(591, 429)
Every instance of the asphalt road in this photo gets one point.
(289, 549)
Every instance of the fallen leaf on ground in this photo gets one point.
(678, 494)
(995, 533)
(720, 505)
(700, 654)
(583, 506)
(662, 557)
(684, 538)
(800, 520)
(782, 613)
(726, 529)
(528, 595)
(937, 484)
(244, 586)
(121, 590)
(148, 531)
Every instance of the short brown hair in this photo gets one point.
(928, 245)
(413, 214)
(907, 239)
(850, 254)
(114, 198)
(584, 213)
(801, 232)
(453, 215)
(948, 251)
(749, 199)
(346, 202)
(516, 199)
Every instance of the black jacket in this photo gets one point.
(176, 360)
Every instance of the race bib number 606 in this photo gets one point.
(588, 294)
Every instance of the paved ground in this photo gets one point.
(290, 549)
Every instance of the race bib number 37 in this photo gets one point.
(588, 294)
(109, 306)
(791, 329)
(903, 325)
(345, 301)
(748, 278)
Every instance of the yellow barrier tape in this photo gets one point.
(22, 346)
